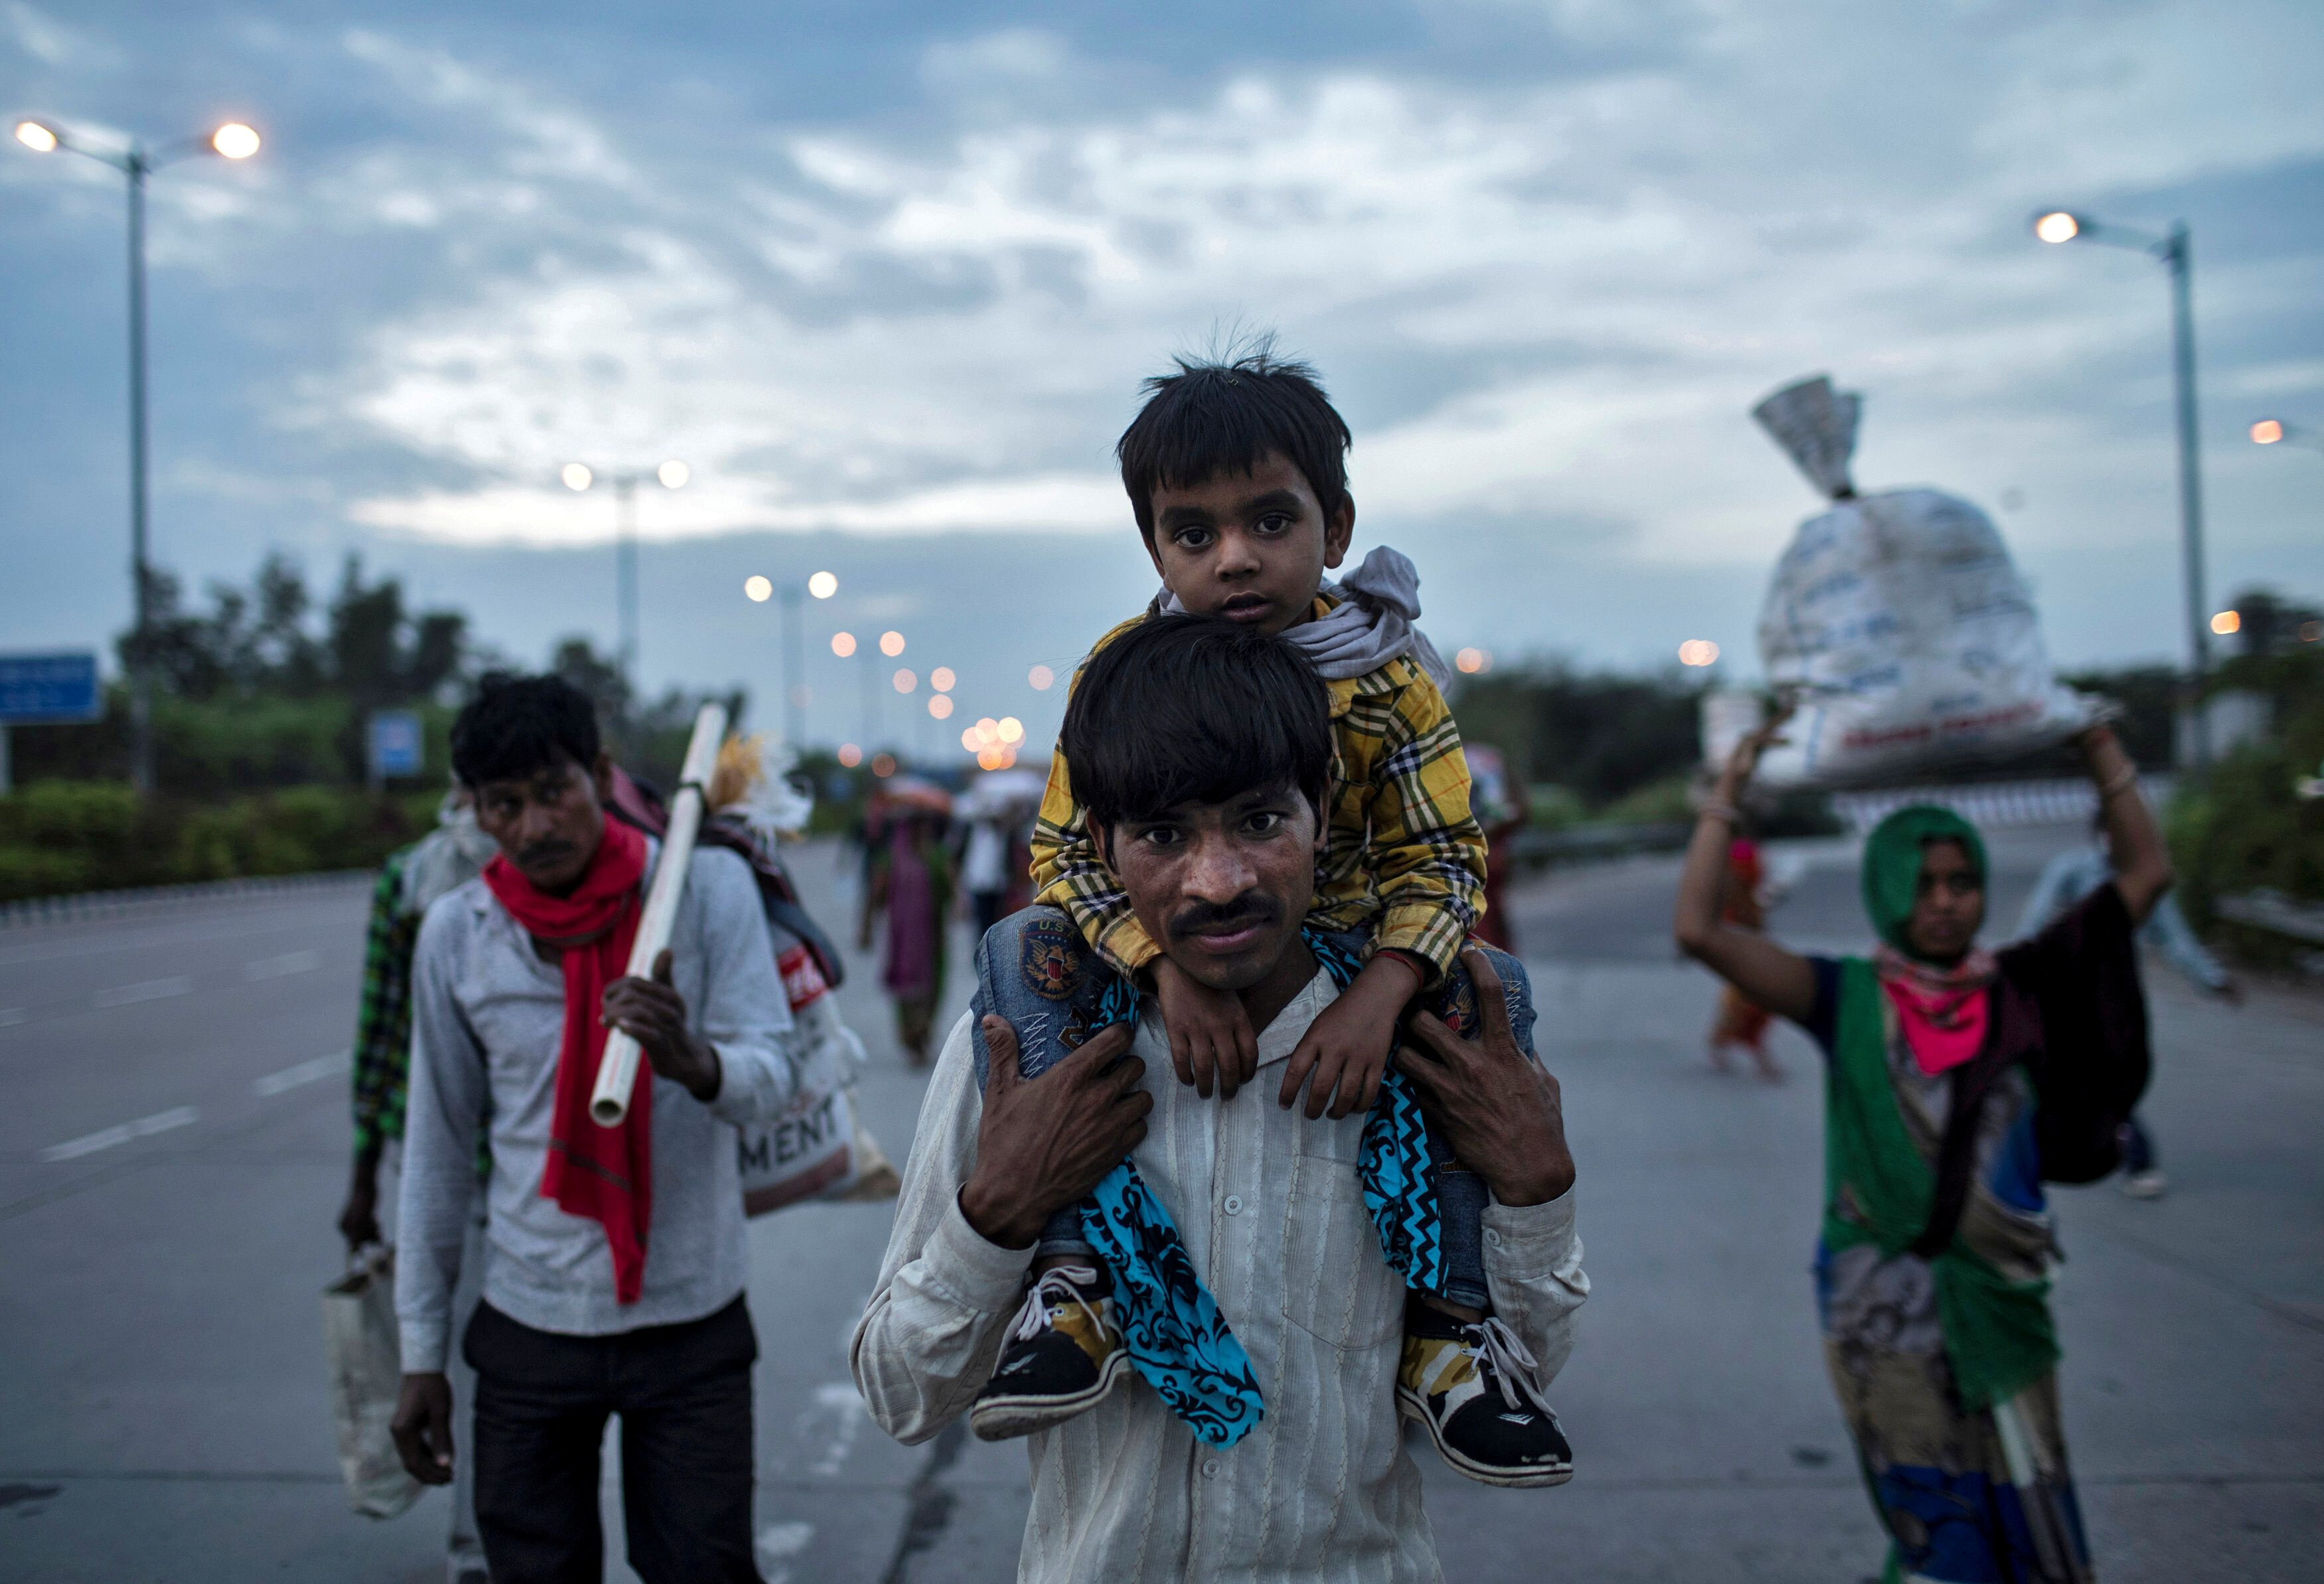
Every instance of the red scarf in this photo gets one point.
(605, 1173)
(1941, 1011)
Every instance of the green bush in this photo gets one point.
(58, 837)
(2245, 826)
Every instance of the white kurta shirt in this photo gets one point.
(1274, 1220)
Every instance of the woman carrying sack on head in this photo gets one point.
(1958, 1080)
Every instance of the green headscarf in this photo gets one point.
(1891, 863)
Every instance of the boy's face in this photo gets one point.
(1249, 546)
(1222, 888)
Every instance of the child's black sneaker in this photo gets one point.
(1063, 1353)
(1470, 1385)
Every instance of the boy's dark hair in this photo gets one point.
(517, 726)
(1194, 709)
(1213, 417)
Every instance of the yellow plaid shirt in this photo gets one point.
(1403, 851)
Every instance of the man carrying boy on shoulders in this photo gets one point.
(1203, 753)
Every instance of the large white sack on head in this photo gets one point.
(1912, 640)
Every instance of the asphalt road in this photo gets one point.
(173, 1157)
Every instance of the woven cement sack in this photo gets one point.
(1899, 619)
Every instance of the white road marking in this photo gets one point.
(144, 1127)
(151, 990)
(304, 1073)
(777, 1544)
(845, 1404)
(276, 967)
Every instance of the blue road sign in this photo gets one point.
(48, 687)
(396, 749)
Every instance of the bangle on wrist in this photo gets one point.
(1717, 810)
(2122, 780)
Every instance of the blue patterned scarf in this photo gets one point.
(1176, 1338)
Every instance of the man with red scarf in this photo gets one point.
(614, 1257)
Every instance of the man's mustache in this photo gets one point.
(1252, 907)
(543, 852)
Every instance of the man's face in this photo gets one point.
(1948, 907)
(1221, 887)
(549, 824)
(1249, 547)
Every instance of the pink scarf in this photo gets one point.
(1942, 1011)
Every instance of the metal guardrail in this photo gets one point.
(1592, 844)
(2276, 913)
(99, 904)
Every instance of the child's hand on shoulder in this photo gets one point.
(1211, 1037)
(1346, 1048)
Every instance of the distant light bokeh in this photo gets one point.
(843, 644)
(758, 588)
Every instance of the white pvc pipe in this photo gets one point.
(617, 1072)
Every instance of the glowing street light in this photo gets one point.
(1698, 651)
(1470, 662)
(940, 707)
(1040, 676)
(2227, 623)
(823, 585)
(942, 679)
(2175, 251)
(904, 681)
(843, 644)
(891, 644)
(232, 141)
(2274, 432)
(2057, 225)
(757, 589)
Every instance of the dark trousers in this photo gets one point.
(683, 1392)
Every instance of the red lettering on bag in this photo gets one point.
(803, 981)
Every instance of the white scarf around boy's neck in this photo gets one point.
(1371, 625)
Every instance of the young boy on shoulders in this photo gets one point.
(1237, 475)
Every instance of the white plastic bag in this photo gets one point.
(366, 1363)
(1900, 619)
(819, 1149)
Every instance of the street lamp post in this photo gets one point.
(232, 141)
(822, 586)
(2175, 249)
(671, 475)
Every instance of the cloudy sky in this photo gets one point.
(887, 276)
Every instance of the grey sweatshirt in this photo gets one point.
(487, 1018)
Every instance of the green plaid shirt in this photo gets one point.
(382, 1055)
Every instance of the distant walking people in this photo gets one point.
(1933, 1273)
(909, 877)
(412, 878)
(2065, 881)
(613, 1259)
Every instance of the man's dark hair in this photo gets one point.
(518, 725)
(1194, 709)
(1216, 418)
